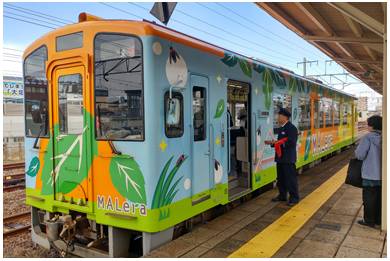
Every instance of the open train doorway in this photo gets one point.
(239, 158)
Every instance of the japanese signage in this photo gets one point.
(13, 89)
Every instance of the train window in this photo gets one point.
(280, 100)
(70, 41)
(345, 114)
(35, 93)
(328, 112)
(304, 113)
(70, 104)
(174, 130)
(118, 87)
(336, 106)
(318, 114)
(199, 113)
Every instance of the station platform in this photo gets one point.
(324, 224)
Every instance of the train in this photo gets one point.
(132, 128)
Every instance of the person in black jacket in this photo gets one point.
(285, 164)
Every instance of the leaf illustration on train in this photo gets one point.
(34, 167)
(71, 165)
(307, 145)
(295, 114)
(267, 87)
(279, 79)
(127, 178)
(258, 67)
(162, 196)
(311, 86)
(220, 108)
(245, 67)
(292, 86)
(231, 60)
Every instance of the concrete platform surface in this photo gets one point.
(332, 232)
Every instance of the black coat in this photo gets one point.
(288, 148)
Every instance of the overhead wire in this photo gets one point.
(35, 13)
(224, 39)
(262, 27)
(251, 29)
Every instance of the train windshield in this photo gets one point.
(118, 87)
(35, 92)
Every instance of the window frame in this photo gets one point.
(345, 120)
(276, 125)
(320, 107)
(48, 111)
(307, 103)
(179, 96)
(204, 92)
(336, 121)
(143, 135)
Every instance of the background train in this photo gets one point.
(128, 131)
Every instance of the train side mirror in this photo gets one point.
(173, 111)
(36, 114)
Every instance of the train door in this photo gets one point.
(202, 156)
(240, 161)
(70, 134)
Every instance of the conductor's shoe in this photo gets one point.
(278, 199)
(364, 223)
(291, 204)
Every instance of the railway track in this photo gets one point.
(14, 182)
(13, 166)
(19, 229)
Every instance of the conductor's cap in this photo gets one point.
(284, 112)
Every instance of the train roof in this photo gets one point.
(151, 28)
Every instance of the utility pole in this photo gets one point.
(304, 65)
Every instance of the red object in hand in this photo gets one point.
(277, 144)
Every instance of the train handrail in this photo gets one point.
(228, 141)
(211, 162)
(254, 139)
(192, 158)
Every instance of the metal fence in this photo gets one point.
(13, 151)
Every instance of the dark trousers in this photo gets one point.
(372, 202)
(287, 181)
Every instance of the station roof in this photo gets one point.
(352, 34)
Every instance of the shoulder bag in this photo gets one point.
(354, 173)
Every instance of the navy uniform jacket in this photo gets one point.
(288, 148)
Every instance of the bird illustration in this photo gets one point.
(172, 55)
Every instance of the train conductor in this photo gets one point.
(285, 163)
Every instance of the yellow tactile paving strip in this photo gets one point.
(278, 233)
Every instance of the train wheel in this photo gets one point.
(299, 171)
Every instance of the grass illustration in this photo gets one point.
(164, 193)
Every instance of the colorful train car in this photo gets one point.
(132, 128)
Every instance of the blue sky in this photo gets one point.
(237, 26)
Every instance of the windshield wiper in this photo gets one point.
(40, 131)
(110, 143)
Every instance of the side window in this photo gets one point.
(345, 114)
(304, 113)
(36, 92)
(280, 100)
(328, 113)
(336, 114)
(174, 130)
(318, 114)
(199, 113)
